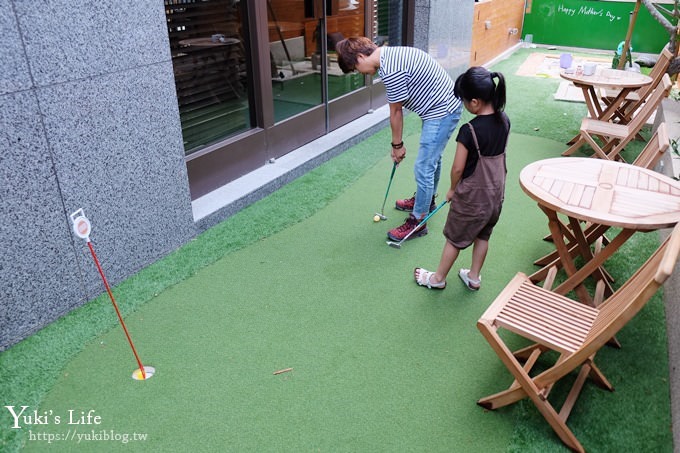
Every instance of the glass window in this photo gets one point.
(209, 57)
(346, 20)
(294, 56)
(295, 40)
(388, 19)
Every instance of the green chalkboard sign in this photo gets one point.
(592, 24)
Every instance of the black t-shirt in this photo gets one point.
(491, 135)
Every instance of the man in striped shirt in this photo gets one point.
(415, 81)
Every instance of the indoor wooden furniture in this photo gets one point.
(575, 331)
(190, 44)
(605, 78)
(615, 136)
(595, 195)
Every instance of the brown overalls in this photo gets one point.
(477, 201)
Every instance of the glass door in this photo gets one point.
(293, 27)
(347, 18)
(257, 79)
(305, 77)
(302, 37)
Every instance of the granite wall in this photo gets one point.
(89, 120)
(444, 29)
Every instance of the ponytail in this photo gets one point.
(499, 93)
(478, 83)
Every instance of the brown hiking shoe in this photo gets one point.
(400, 232)
(407, 204)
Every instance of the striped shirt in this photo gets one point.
(415, 79)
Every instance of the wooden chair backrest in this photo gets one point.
(649, 107)
(622, 306)
(659, 69)
(655, 148)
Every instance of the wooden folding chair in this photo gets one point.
(574, 330)
(615, 136)
(636, 99)
(655, 148)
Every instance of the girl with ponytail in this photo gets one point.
(478, 174)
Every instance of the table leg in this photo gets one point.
(576, 278)
(593, 109)
(587, 254)
(593, 101)
(592, 233)
(565, 257)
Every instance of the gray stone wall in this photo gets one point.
(89, 120)
(670, 166)
(443, 28)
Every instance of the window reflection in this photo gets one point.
(347, 19)
(209, 61)
(388, 22)
(296, 85)
(296, 51)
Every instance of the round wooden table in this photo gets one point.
(625, 81)
(595, 195)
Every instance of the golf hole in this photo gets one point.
(148, 371)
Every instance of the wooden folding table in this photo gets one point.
(595, 195)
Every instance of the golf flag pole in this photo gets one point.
(82, 228)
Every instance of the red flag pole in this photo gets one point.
(115, 305)
(82, 227)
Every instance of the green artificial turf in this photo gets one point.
(303, 279)
(379, 364)
(29, 369)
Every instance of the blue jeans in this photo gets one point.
(433, 139)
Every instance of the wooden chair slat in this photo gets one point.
(636, 98)
(575, 331)
(613, 137)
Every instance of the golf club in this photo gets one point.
(382, 211)
(397, 245)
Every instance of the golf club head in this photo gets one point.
(382, 216)
(422, 222)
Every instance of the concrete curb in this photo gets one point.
(226, 201)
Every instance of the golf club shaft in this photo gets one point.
(422, 222)
(394, 167)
